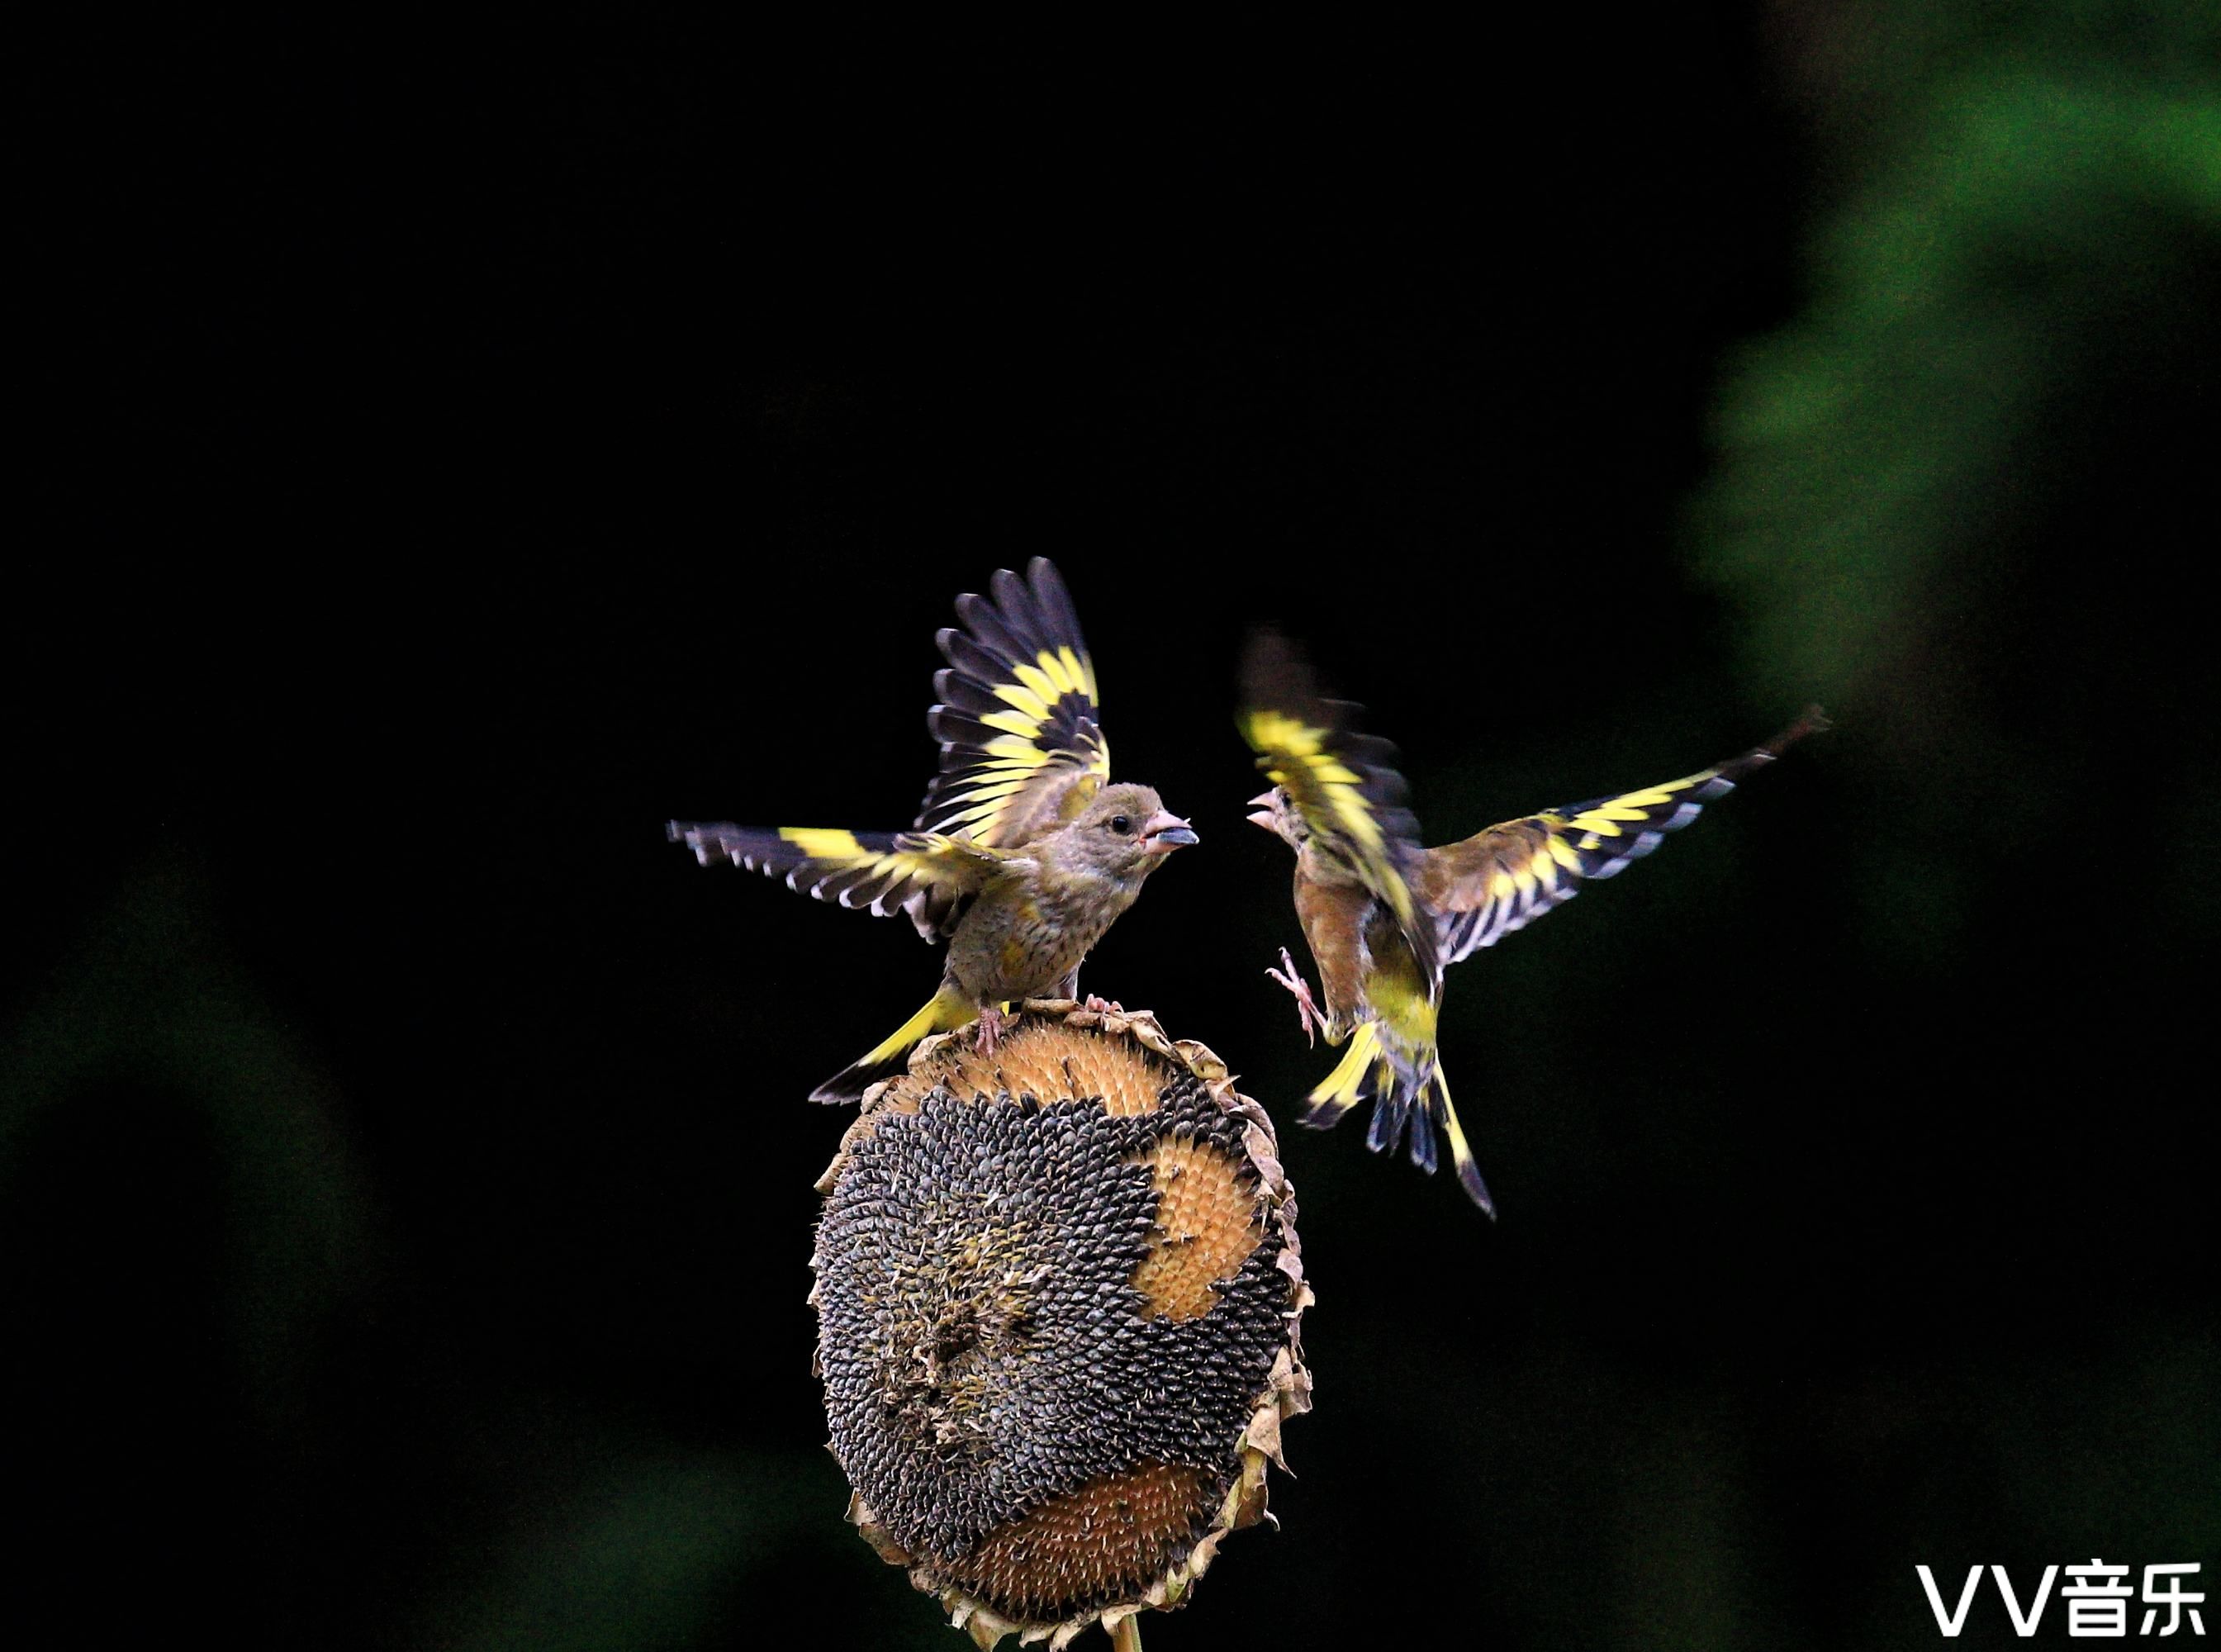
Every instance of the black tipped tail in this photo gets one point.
(944, 1012)
(1439, 1111)
(1404, 1105)
(850, 1082)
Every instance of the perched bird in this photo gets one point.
(1025, 852)
(1384, 916)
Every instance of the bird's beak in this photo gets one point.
(1165, 831)
(1260, 811)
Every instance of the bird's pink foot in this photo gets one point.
(991, 1022)
(1104, 1007)
(1307, 1010)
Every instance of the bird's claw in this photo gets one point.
(1307, 1010)
(1104, 1007)
(992, 1021)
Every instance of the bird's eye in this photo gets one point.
(1121, 824)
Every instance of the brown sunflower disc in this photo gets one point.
(1059, 1296)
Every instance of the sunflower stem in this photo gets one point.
(1127, 1638)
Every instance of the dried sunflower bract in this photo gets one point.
(1059, 1298)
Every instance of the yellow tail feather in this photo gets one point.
(1397, 1081)
(1344, 1087)
(1469, 1174)
(945, 1011)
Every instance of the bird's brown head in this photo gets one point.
(1273, 810)
(1127, 831)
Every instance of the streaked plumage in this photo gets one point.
(1383, 916)
(1024, 854)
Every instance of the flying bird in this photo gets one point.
(1025, 852)
(1384, 916)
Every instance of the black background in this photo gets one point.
(461, 457)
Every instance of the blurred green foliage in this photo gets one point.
(2041, 200)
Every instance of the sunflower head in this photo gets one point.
(1059, 1295)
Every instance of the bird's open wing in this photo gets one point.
(1343, 783)
(1505, 878)
(1020, 750)
(925, 874)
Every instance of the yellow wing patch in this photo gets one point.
(1020, 744)
(1053, 674)
(924, 875)
(1305, 762)
(822, 843)
(1501, 880)
(1604, 819)
(841, 867)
